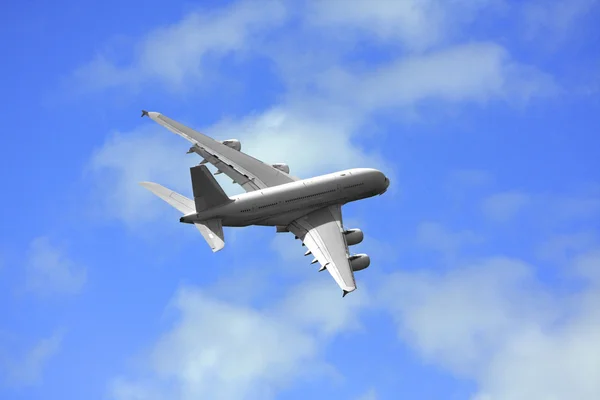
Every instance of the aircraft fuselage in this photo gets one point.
(280, 205)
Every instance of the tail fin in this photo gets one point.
(182, 203)
(212, 232)
(207, 191)
(207, 194)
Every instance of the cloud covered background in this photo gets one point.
(485, 275)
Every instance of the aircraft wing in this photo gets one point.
(321, 232)
(245, 170)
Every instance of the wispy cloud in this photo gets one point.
(587, 264)
(370, 395)
(225, 350)
(553, 209)
(176, 54)
(416, 25)
(452, 71)
(562, 248)
(505, 206)
(279, 133)
(27, 369)
(435, 236)
(124, 160)
(493, 322)
(554, 21)
(490, 321)
(477, 72)
(321, 112)
(50, 271)
(579, 205)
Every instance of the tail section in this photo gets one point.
(207, 194)
(207, 191)
(212, 232)
(182, 203)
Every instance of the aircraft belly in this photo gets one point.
(284, 219)
(235, 222)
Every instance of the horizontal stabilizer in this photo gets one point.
(212, 231)
(182, 203)
(207, 191)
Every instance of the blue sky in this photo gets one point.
(485, 273)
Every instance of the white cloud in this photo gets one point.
(505, 206)
(422, 24)
(416, 24)
(312, 131)
(49, 271)
(125, 159)
(457, 72)
(27, 369)
(290, 251)
(224, 350)
(475, 72)
(588, 265)
(370, 395)
(312, 134)
(309, 142)
(489, 321)
(319, 306)
(554, 21)
(176, 54)
(493, 322)
(563, 248)
(435, 236)
(579, 206)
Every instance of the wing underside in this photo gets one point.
(245, 170)
(321, 232)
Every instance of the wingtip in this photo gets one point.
(349, 289)
(144, 113)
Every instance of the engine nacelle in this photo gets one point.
(282, 167)
(233, 143)
(359, 262)
(353, 236)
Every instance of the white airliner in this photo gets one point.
(309, 208)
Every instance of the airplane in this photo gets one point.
(310, 208)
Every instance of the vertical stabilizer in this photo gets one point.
(207, 191)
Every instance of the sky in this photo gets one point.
(484, 281)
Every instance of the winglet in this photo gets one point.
(144, 113)
(345, 293)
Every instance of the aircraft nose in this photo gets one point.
(386, 184)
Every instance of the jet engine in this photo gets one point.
(282, 167)
(233, 143)
(359, 262)
(353, 236)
